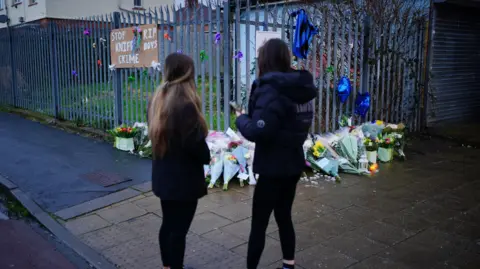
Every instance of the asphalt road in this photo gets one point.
(48, 163)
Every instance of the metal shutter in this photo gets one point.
(455, 69)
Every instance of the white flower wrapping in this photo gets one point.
(216, 169)
(222, 161)
(230, 169)
(231, 160)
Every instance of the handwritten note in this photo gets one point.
(122, 45)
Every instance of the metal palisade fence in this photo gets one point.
(61, 67)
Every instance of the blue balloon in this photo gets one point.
(362, 104)
(344, 88)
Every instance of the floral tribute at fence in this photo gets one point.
(351, 149)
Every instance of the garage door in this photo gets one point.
(455, 76)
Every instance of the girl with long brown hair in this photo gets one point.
(177, 130)
(280, 113)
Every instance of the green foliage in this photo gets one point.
(15, 209)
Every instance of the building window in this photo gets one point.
(16, 2)
(2, 4)
(33, 2)
(137, 3)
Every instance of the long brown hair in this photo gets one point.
(274, 56)
(167, 115)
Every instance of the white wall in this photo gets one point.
(25, 10)
(72, 9)
(67, 9)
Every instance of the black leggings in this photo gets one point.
(177, 217)
(277, 195)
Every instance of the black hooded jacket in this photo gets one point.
(280, 113)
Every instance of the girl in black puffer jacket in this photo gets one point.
(279, 117)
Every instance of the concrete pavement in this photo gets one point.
(422, 213)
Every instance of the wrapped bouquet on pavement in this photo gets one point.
(350, 149)
(230, 169)
(231, 155)
(397, 132)
(319, 159)
(124, 137)
(143, 145)
(241, 154)
(216, 168)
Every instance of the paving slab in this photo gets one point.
(235, 212)
(149, 204)
(86, 224)
(227, 240)
(206, 222)
(143, 187)
(272, 252)
(384, 233)
(355, 245)
(121, 213)
(410, 215)
(323, 257)
(97, 203)
(376, 262)
(107, 237)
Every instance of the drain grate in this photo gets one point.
(105, 179)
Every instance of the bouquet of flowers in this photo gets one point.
(319, 159)
(348, 151)
(251, 177)
(347, 147)
(216, 169)
(385, 148)
(387, 142)
(230, 169)
(124, 131)
(370, 144)
(124, 137)
(241, 155)
(373, 129)
(398, 133)
(143, 145)
(371, 148)
(345, 121)
(250, 146)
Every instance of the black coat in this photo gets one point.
(179, 174)
(280, 114)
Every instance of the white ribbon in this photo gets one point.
(112, 67)
(156, 66)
